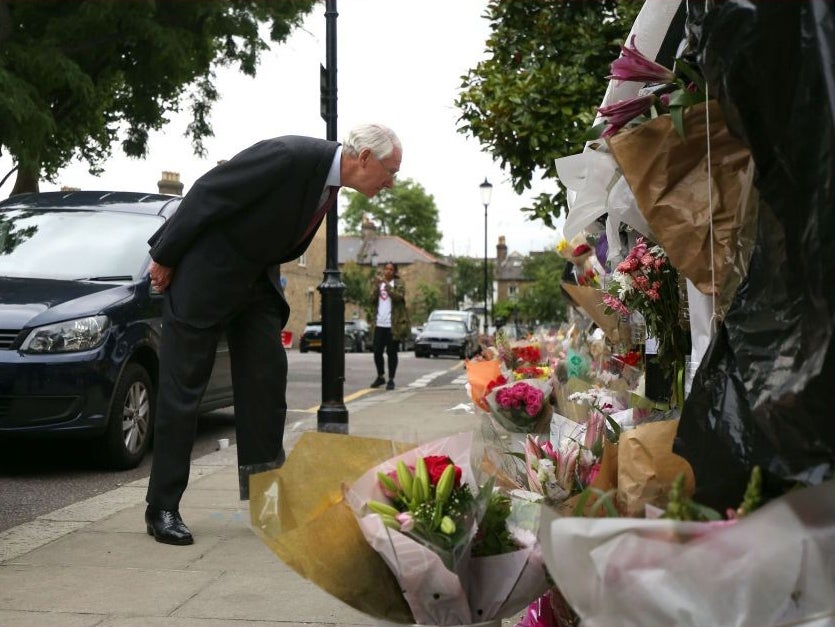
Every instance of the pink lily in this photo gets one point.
(635, 67)
(566, 464)
(533, 453)
(620, 113)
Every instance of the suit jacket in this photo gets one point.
(240, 220)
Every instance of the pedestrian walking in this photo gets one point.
(217, 261)
(390, 321)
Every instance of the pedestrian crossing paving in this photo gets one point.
(426, 379)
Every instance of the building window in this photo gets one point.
(513, 292)
(309, 303)
(303, 260)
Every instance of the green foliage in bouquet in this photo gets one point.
(434, 507)
(493, 536)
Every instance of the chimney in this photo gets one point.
(170, 184)
(368, 230)
(501, 251)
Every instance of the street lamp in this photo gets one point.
(332, 415)
(486, 192)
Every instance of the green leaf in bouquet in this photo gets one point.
(493, 536)
(753, 497)
(679, 507)
(677, 118)
(604, 502)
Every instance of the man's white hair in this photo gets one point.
(381, 140)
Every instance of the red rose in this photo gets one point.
(632, 358)
(495, 382)
(436, 464)
(582, 249)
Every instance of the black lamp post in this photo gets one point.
(486, 189)
(332, 415)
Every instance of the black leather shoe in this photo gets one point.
(378, 382)
(390, 384)
(167, 527)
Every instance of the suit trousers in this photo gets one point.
(259, 380)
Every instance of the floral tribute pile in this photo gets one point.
(617, 502)
(461, 551)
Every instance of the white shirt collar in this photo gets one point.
(334, 179)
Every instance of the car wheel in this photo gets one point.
(358, 346)
(130, 421)
(302, 348)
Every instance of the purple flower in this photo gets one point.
(635, 67)
(620, 113)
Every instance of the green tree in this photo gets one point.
(357, 280)
(503, 310)
(469, 279)
(426, 300)
(543, 300)
(405, 210)
(77, 77)
(533, 99)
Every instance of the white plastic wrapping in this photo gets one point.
(774, 567)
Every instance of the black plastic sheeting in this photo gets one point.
(764, 393)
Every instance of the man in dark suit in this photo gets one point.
(217, 260)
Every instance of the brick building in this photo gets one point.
(415, 265)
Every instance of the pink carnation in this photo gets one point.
(613, 303)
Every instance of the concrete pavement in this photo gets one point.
(92, 563)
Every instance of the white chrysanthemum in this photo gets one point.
(581, 397)
(624, 283)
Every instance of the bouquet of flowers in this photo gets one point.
(673, 91)
(646, 282)
(450, 542)
(522, 405)
(768, 565)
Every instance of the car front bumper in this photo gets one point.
(54, 394)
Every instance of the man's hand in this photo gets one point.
(160, 276)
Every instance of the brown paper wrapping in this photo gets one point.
(578, 412)
(641, 467)
(298, 511)
(607, 476)
(668, 177)
(647, 466)
(591, 300)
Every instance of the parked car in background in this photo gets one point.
(446, 337)
(80, 324)
(409, 343)
(360, 333)
(311, 339)
(469, 318)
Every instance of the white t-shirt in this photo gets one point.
(384, 306)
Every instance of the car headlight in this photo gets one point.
(71, 336)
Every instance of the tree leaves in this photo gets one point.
(533, 98)
(405, 210)
(76, 77)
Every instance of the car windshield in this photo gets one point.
(448, 326)
(88, 245)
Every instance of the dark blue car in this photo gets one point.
(79, 322)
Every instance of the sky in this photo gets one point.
(399, 64)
